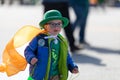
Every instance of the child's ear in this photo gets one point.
(45, 26)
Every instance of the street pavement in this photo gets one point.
(98, 61)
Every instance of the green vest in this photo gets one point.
(62, 63)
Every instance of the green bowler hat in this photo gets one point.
(53, 15)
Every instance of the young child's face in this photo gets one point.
(53, 27)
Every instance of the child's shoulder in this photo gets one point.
(41, 35)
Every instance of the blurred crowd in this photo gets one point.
(21, 2)
(93, 3)
(105, 3)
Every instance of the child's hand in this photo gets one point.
(34, 60)
(75, 70)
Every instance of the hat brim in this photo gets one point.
(63, 19)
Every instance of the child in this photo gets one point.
(47, 53)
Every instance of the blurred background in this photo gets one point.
(37, 2)
(98, 61)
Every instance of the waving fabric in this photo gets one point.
(12, 61)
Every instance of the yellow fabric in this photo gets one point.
(12, 61)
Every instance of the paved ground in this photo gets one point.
(99, 61)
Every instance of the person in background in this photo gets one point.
(81, 9)
(20, 2)
(48, 53)
(2, 2)
(63, 7)
(101, 3)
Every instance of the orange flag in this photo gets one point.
(13, 62)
